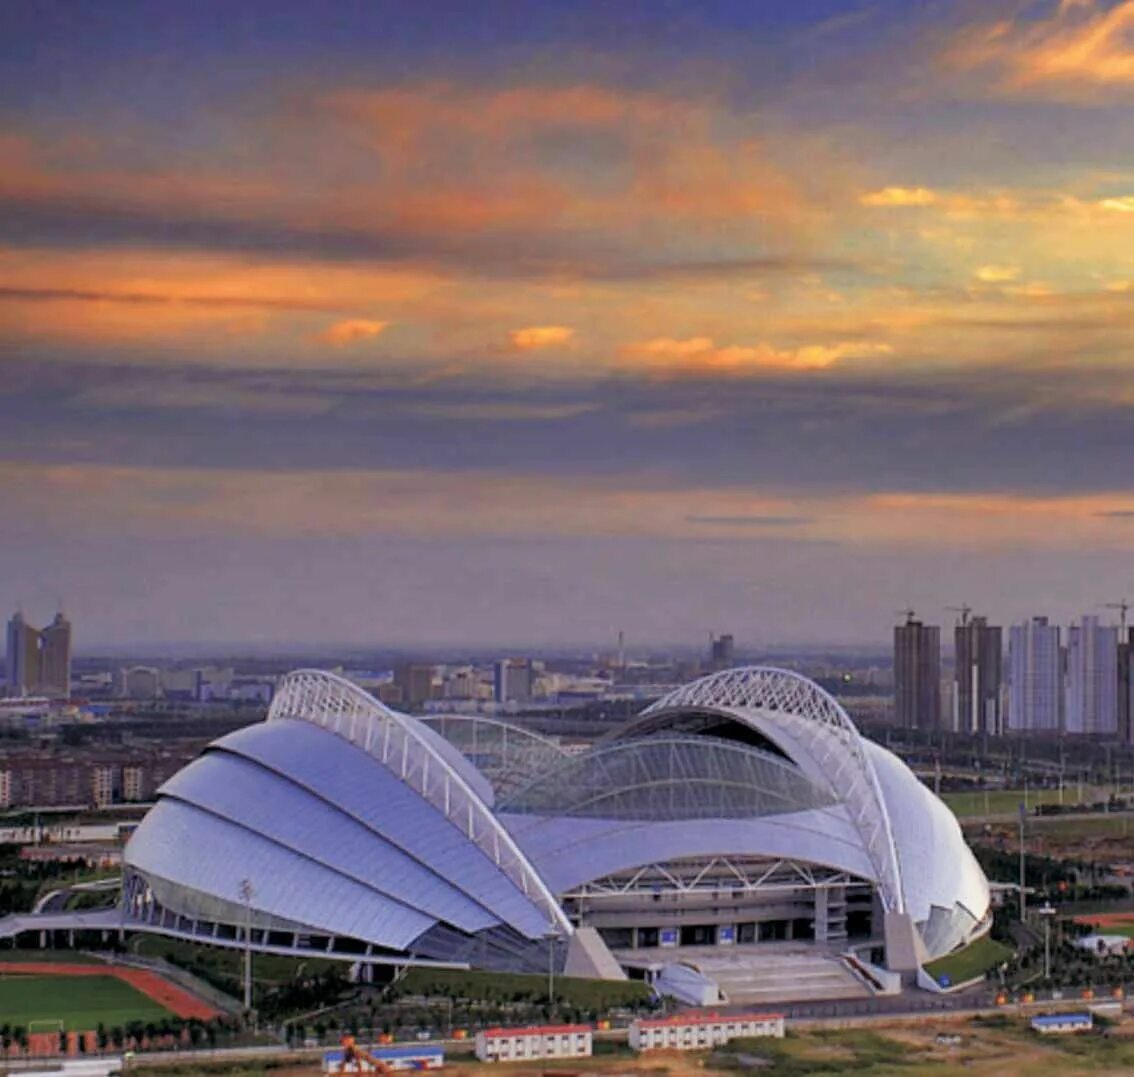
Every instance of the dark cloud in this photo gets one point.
(48, 295)
(832, 433)
(501, 253)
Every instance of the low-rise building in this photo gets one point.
(536, 1041)
(1047, 1024)
(699, 1032)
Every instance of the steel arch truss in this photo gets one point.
(341, 707)
(814, 731)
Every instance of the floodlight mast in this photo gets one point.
(246, 894)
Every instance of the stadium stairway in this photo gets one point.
(769, 978)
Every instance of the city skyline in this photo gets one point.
(530, 323)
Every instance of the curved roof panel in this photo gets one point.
(201, 852)
(271, 805)
(400, 744)
(335, 768)
(574, 851)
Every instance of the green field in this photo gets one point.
(1008, 801)
(973, 961)
(80, 1002)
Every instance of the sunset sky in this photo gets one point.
(434, 322)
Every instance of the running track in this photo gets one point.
(175, 999)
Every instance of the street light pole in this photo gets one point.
(1023, 895)
(1047, 912)
(246, 895)
(551, 935)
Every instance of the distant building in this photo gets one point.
(1125, 662)
(537, 1041)
(23, 657)
(917, 675)
(39, 662)
(978, 648)
(181, 684)
(1035, 700)
(105, 787)
(1047, 1024)
(55, 657)
(35, 778)
(461, 683)
(133, 783)
(389, 693)
(215, 683)
(701, 1031)
(139, 682)
(722, 652)
(512, 680)
(1091, 687)
(415, 682)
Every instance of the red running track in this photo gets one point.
(175, 999)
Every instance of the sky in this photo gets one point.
(401, 324)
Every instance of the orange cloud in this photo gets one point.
(994, 274)
(1125, 204)
(1080, 52)
(202, 300)
(701, 355)
(351, 331)
(425, 134)
(541, 336)
(900, 196)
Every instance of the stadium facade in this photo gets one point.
(740, 809)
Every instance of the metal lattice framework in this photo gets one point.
(668, 777)
(813, 730)
(734, 874)
(341, 707)
(509, 756)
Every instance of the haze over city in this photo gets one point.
(460, 324)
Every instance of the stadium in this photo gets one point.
(737, 830)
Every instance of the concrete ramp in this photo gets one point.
(588, 957)
(688, 985)
(760, 974)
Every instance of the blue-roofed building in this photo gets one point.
(740, 810)
(1049, 1023)
(411, 1057)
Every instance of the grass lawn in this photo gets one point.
(1055, 828)
(268, 969)
(591, 994)
(81, 1002)
(1008, 801)
(974, 960)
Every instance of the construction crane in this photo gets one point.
(964, 609)
(909, 615)
(355, 1055)
(1122, 606)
